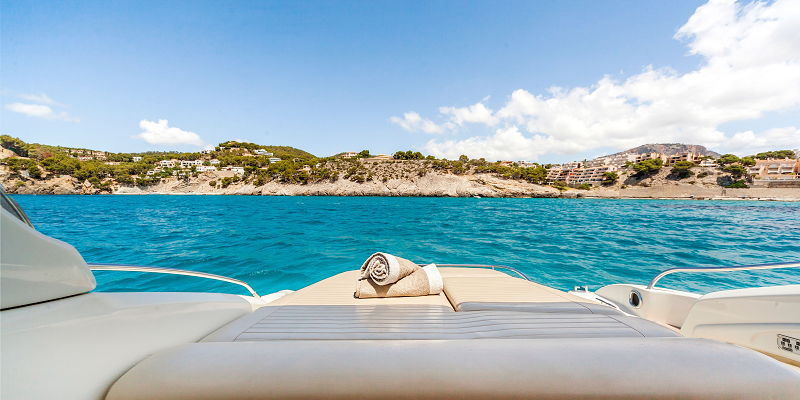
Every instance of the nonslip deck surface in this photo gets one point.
(491, 305)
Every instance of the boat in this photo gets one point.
(491, 333)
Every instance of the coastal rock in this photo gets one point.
(663, 185)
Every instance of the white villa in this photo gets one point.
(189, 164)
(262, 152)
(235, 170)
(137, 159)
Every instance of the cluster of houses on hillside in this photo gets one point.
(85, 155)
(379, 157)
(774, 172)
(591, 172)
(188, 164)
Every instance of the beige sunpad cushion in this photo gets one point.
(608, 368)
(472, 289)
(339, 290)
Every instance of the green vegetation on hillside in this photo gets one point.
(648, 167)
(683, 169)
(775, 154)
(735, 170)
(727, 159)
(282, 152)
(610, 178)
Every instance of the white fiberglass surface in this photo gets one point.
(77, 347)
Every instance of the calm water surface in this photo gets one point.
(277, 243)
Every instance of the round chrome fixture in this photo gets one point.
(635, 298)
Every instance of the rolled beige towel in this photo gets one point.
(422, 282)
(385, 269)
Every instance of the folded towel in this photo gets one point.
(421, 282)
(385, 269)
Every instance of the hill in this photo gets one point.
(279, 151)
(42, 151)
(670, 148)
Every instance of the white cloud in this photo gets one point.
(505, 143)
(160, 133)
(412, 122)
(42, 99)
(477, 112)
(751, 66)
(37, 110)
(747, 143)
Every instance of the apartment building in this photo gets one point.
(772, 169)
(617, 160)
(650, 156)
(562, 172)
(691, 157)
(590, 175)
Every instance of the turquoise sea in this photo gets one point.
(277, 243)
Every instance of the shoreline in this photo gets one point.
(576, 196)
(431, 185)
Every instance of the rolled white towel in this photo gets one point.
(386, 269)
(420, 282)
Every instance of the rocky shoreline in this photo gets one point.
(434, 184)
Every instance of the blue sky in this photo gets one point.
(333, 76)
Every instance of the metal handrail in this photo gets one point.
(171, 271)
(721, 269)
(518, 272)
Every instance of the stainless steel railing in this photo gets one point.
(518, 272)
(170, 271)
(721, 269)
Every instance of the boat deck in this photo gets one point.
(489, 335)
(475, 304)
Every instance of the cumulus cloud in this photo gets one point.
(751, 66)
(412, 122)
(160, 133)
(743, 143)
(477, 112)
(505, 143)
(38, 110)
